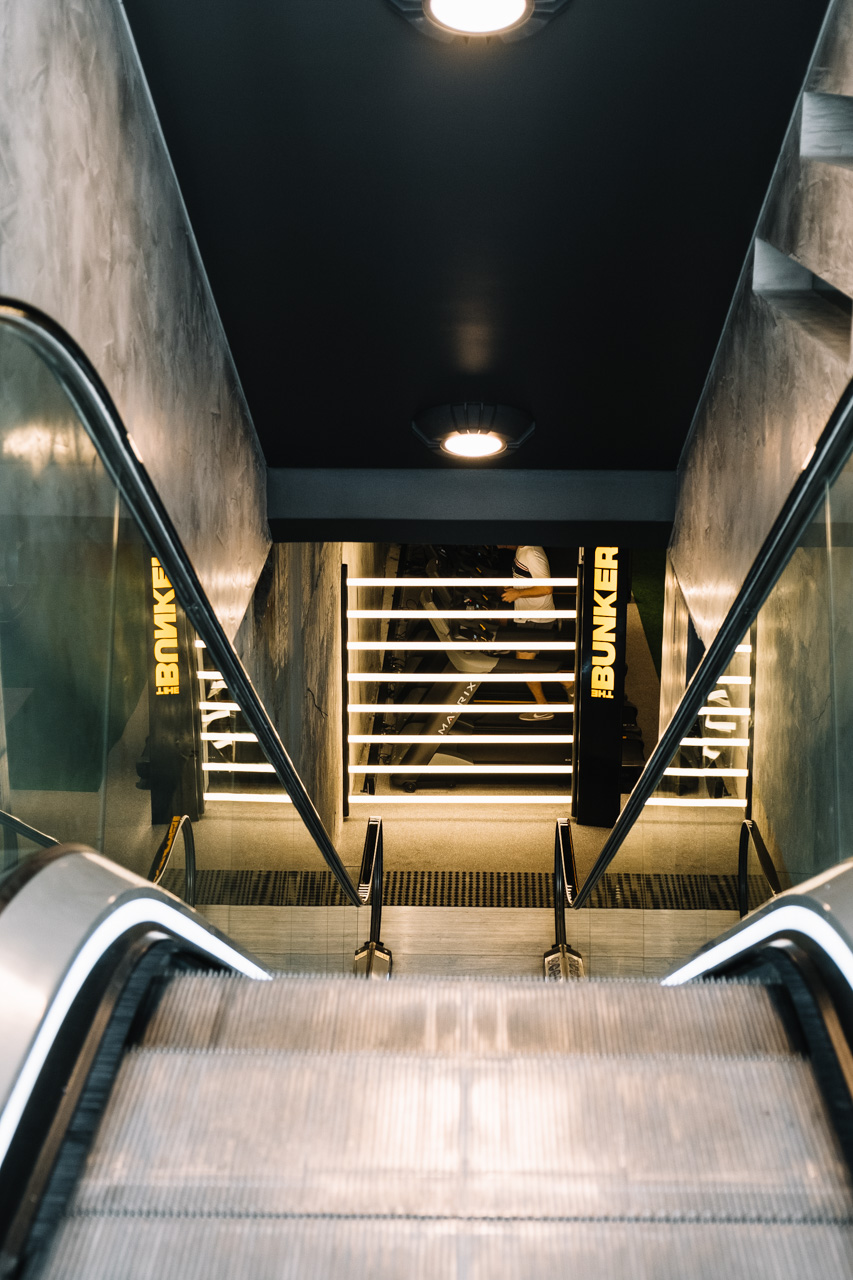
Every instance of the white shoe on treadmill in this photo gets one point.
(536, 715)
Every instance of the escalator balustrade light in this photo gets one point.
(478, 17)
(486, 583)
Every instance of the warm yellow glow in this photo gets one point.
(477, 17)
(468, 444)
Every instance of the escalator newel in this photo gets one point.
(562, 961)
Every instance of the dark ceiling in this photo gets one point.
(389, 222)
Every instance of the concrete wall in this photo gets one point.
(290, 642)
(94, 232)
(778, 372)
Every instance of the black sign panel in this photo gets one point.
(604, 589)
(173, 744)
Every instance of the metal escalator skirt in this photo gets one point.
(52, 935)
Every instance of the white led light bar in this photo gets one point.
(460, 768)
(209, 675)
(562, 799)
(238, 768)
(459, 646)
(715, 742)
(219, 706)
(687, 802)
(275, 797)
(479, 708)
(469, 615)
(458, 677)
(225, 737)
(516, 739)
(199, 644)
(706, 773)
(724, 711)
(744, 648)
(734, 680)
(461, 582)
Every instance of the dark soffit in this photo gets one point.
(389, 222)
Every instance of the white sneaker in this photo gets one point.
(536, 715)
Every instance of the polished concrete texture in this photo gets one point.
(93, 231)
(779, 371)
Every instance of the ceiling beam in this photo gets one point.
(555, 508)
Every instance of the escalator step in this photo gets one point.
(319, 1248)
(472, 1018)
(246, 1133)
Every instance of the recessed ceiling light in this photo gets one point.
(506, 20)
(473, 432)
(473, 444)
(478, 17)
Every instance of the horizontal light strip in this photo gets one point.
(275, 797)
(706, 804)
(462, 582)
(199, 644)
(715, 742)
(219, 706)
(470, 615)
(238, 768)
(229, 737)
(563, 799)
(458, 646)
(209, 675)
(744, 648)
(793, 918)
(459, 677)
(502, 708)
(460, 768)
(518, 739)
(707, 773)
(734, 680)
(724, 711)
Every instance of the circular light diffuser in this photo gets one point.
(473, 444)
(478, 17)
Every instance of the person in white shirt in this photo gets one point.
(529, 564)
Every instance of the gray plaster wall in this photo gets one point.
(93, 231)
(291, 643)
(777, 375)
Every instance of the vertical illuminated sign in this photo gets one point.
(604, 589)
(167, 677)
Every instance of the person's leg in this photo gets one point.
(535, 688)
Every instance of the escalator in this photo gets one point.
(164, 1115)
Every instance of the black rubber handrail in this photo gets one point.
(749, 832)
(830, 455)
(180, 824)
(101, 419)
(565, 878)
(371, 878)
(24, 829)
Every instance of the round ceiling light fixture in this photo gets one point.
(473, 432)
(478, 17)
(462, 19)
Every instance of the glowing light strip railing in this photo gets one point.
(706, 773)
(515, 739)
(248, 797)
(461, 582)
(468, 615)
(478, 708)
(457, 646)
(460, 768)
(226, 737)
(459, 677)
(360, 798)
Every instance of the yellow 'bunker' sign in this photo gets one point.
(604, 621)
(166, 676)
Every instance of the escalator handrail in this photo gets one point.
(749, 832)
(110, 437)
(372, 876)
(565, 878)
(180, 824)
(830, 455)
(24, 829)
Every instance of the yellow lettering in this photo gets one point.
(606, 659)
(166, 673)
(604, 604)
(605, 557)
(605, 634)
(602, 678)
(165, 630)
(604, 579)
(163, 598)
(165, 650)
